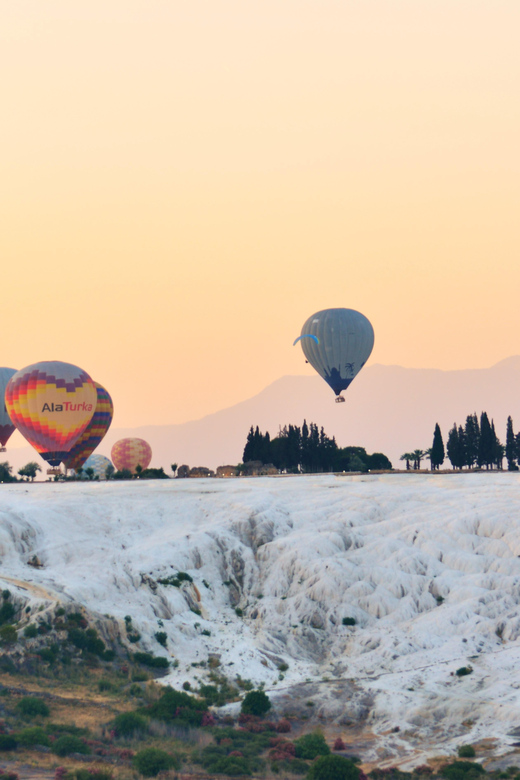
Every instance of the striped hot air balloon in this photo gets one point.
(6, 426)
(94, 432)
(51, 403)
(130, 453)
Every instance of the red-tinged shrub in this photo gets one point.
(125, 754)
(208, 719)
(226, 742)
(236, 753)
(339, 744)
(283, 726)
(424, 769)
(60, 772)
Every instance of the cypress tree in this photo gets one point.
(486, 448)
(463, 457)
(511, 450)
(437, 451)
(453, 447)
(472, 438)
(250, 447)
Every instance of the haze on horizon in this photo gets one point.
(185, 183)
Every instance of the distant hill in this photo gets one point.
(388, 409)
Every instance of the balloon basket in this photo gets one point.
(340, 399)
(54, 472)
(3, 449)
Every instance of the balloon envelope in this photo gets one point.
(51, 404)
(94, 432)
(337, 343)
(6, 426)
(130, 453)
(99, 465)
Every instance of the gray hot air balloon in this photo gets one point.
(337, 343)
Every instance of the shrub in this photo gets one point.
(8, 635)
(30, 631)
(31, 707)
(161, 637)
(283, 726)
(349, 621)
(93, 774)
(255, 703)
(176, 580)
(68, 743)
(150, 761)
(86, 640)
(333, 768)
(7, 742)
(6, 612)
(33, 735)
(105, 685)
(339, 744)
(180, 706)
(466, 751)
(461, 770)
(312, 745)
(127, 723)
(147, 659)
(463, 671)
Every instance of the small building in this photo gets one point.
(201, 472)
(227, 471)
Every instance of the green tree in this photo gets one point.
(109, 471)
(90, 473)
(6, 474)
(408, 457)
(472, 439)
(174, 468)
(30, 470)
(417, 456)
(486, 447)
(511, 452)
(150, 761)
(378, 462)
(333, 768)
(437, 450)
(455, 447)
(311, 745)
(256, 703)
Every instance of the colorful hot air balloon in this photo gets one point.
(6, 426)
(51, 403)
(99, 464)
(130, 453)
(94, 432)
(337, 343)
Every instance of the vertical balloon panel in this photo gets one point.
(6, 426)
(95, 430)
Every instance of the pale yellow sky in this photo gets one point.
(185, 181)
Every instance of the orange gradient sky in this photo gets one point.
(183, 182)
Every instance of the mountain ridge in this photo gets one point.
(390, 409)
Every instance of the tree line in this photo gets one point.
(472, 445)
(308, 450)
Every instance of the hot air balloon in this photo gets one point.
(337, 343)
(130, 453)
(51, 403)
(94, 432)
(6, 426)
(99, 465)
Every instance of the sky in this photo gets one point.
(184, 183)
